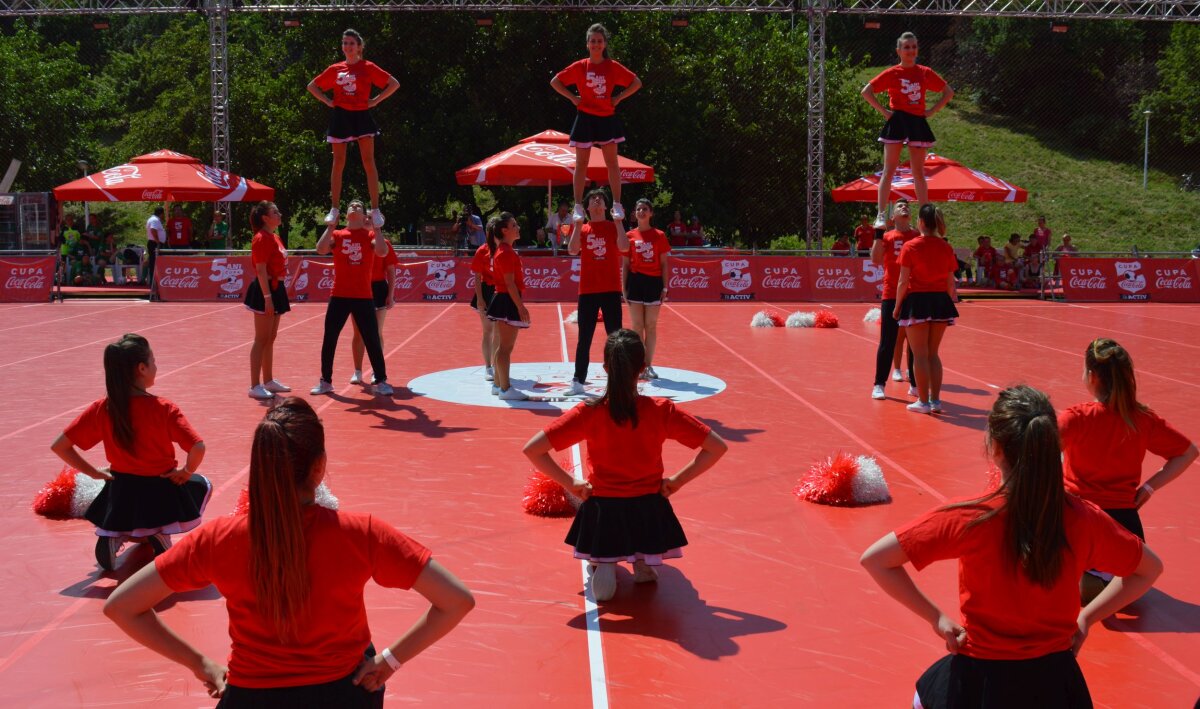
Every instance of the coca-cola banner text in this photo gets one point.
(26, 279)
(550, 279)
(843, 279)
(1130, 279)
(696, 279)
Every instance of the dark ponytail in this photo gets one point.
(1023, 426)
(929, 218)
(1113, 367)
(624, 359)
(288, 443)
(121, 360)
(257, 212)
(494, 226)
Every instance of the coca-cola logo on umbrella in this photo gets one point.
(120, 173)
(217, 178)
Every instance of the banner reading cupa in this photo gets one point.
(1130, 279)
(26, 279)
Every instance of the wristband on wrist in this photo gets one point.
(390, 659)
(185, 469)
(1149, 488)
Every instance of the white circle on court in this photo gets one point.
(466, 385)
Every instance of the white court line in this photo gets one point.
(591, 613)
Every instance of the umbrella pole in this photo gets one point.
(553, 237)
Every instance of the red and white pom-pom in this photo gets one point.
(572, 317)
(825, 318)
(545, 498)
(322, 496)
(765, 318)
(844, 480)
(67, 496)
(801, 319)
(872, 316)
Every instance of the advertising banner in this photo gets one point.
(1130, 280)
(26, 279)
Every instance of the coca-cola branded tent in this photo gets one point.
(163, 176)
(948, 181)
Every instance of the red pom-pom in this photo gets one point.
(54, 499)
(830, 482)
(777, 318)
(546, 498)
(825, 318)
(243, 504)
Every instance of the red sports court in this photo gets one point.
(768, 607)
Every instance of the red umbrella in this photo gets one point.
(163, 176)
(947, 180)
(543, 162)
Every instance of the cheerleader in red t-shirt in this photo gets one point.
(907, 124)
(146, 497)
(1020, 550)
(485, 288)
(925, 305)
(292, 575)
(645, 265)
(599, 245)
(625, 515)
(507, 307)
(383, 293)
(596, 123)
(268, 258)
(351, 122)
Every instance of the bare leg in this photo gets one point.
(918, 339)
(936, 331)
(582, 155)
(651, 339)
(898, 355)
(916, 158)
(891, 160)
(489, 339)
(262, 340)
(637, 323)
(614, 170)
(366, 150)
(335, 174)
(506, 338)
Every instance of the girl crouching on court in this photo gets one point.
(625, 515)
(1021, 548)
(292, 574)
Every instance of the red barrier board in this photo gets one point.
(1130, 279)
(26, 279)
(844, 279)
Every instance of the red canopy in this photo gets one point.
(163, 176)
(546, 159)
(948, 181)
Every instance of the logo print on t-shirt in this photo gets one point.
(597, 246)
(348, 82)
(911, 89)
(598, 83)
(353, 249)
(645, 249)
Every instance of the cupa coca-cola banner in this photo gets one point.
(26, 279)
(1130, 279)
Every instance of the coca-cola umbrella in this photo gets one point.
(163, 176)
(948, 181)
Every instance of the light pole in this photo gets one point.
(1146, 152)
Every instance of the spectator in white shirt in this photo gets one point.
(156, 236)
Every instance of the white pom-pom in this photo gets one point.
(871, 316)
(86, 490)
(762, 319)
(801, 319)
(869, 485)
(324, 497)
(572, 318)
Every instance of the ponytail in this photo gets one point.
(495, 227)
(257, 212)
(121, 360)
(1023, 427)
(1113, 367)
(624, 360)
(288, 443)
(929, 219)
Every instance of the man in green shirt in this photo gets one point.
(218, 233)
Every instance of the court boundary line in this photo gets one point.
(1075, 324)
(69, 317)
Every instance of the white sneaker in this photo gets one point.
(332, 216)
(877, 392)
(651, 373)
(897, 375)
(935, 406)
(577, 214)
(618, 212)
(495, 390)
(377, 218)
(912, 390)
(880, 220)
(644, 376)
(277, 387)
(576, 388)
(603, 581)
(322, 387)
(919, 407)
(513, 394)
(258, 391)
(384, 389)
(489, 374)
(357, 377)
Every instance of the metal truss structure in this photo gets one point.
(816, 12)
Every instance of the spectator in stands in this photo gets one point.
(1012, 251)
(1032, 257)
(841, 247)
(1064, 250)
(986, 261)
(677, 230)
(1041, 235)
(864, 235)
(695, 233)
(179, 229)
(93, 234)
(105, 254)
(218, 233)
(555, 223)
(475, 232)
(156, 238)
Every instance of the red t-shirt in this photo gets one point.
(841, 247)
(600, 261)
(864, 236)
(595, 83)
(344, 550)
(893, 241)
(1008, 616)
(481, 263)
(267, 248)
(157, 426)
(382, 262)
(646, 250)
(678, 232)
(1005, 273)
(179, 231)
(353, 262)
(623, 461)
(906, 87)
(351, 83)
(1102, 456)
(931, 260)
(507, 260)
(986, 255)
(1042, 235)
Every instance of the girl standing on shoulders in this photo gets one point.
(146, 497)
